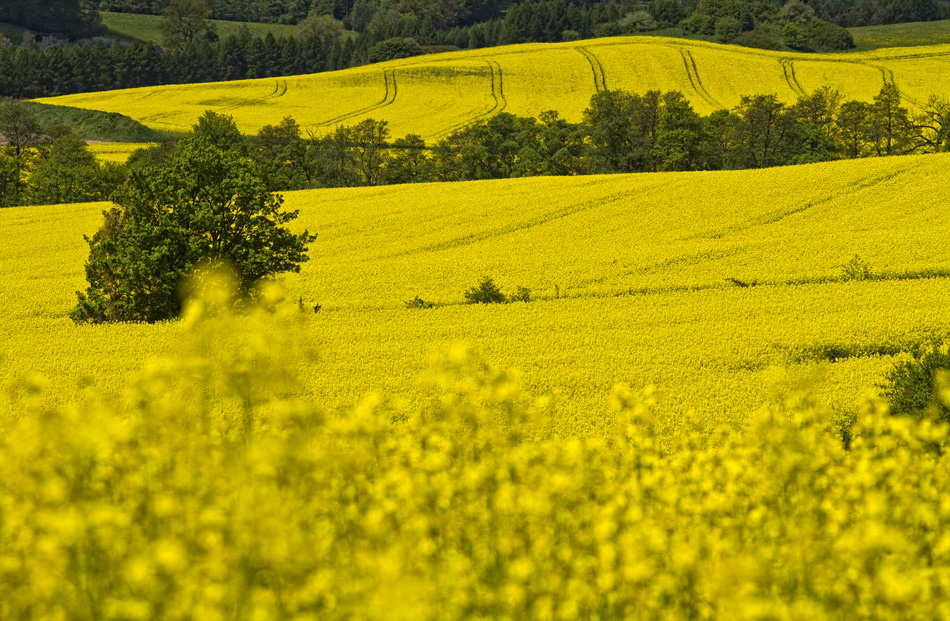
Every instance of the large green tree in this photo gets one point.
(185, 20)
(21, 131)
(70, 174)
(206, 207)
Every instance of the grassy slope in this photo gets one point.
(96, 125)
(629, 273)
(147, 28)
(14, 34)
(901, 35)
(432, 95)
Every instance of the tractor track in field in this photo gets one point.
(788, 68)
(389, 96)
(600, 77)
(280, 89)
(693, 74)
(888, 75)
(497, 93)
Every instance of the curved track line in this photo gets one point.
(600, 78)
(276, 93)
(497, 93)
(389, 81)
(693, 74)
(788, 68)
(889, 73)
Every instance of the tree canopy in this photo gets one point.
(206, 207)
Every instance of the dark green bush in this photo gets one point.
(391, 49)
(758, 38)
(522, 295)
(418, 302)
(911, 387)
(487, 292)
(827, 37)
(727, 29)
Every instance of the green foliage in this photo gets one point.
(391, 49)
(760, 38)
(220, 130)
(523, 294)
(825, 36)
(795, 36)
(54, 16)
(186, 20)
(205, 207)
(94, 124)
(71, 174)
(856, 269)
(487, 292)
(912, 387)
(419, 303)
(727, 29)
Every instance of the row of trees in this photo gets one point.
(467, 12)
(621, 132)
(193, 53)
(34, 70)
(48, 164)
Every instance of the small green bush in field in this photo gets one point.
(487, 292)
(856, 269)
(912, 388)
(523, 294)
(418, 302)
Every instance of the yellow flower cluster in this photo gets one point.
(219, 496)
(458, 88)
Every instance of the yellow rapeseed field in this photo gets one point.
(657, 434)
(432, 95)
(634, 279)
(116, 152)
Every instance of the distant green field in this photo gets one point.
(147, 28)
(901, 35)
(11, 32)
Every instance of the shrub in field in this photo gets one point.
(523, 294)
(856, 269)
(418, 302)
(487, 292)
(912, 387)
(207, 207)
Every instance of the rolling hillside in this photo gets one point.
(635, 278)
(147, 28)
(434, 95)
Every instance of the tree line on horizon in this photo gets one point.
(621, 132)
(192, 52)
(450, 13)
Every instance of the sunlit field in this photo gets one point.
(683, 421)
(458, 88)
(116, 152)
(715, 287)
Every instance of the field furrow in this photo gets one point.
(706, 280)
(455, 89)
